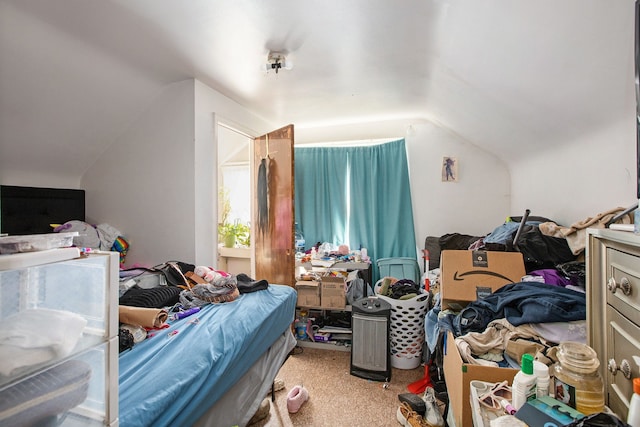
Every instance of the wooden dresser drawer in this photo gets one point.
(622, 344)
(623, 283)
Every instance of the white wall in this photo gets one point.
(474, 205)
(211, 107)
(143, 184)
(157, 182)
(579, 179)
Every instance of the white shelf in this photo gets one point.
(29, 259)
(308, 307)
(324, 345)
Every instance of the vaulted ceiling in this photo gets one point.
(515, 77)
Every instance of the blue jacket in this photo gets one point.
(520, 303)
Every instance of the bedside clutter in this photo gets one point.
(490, 403)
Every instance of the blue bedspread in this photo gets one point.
(173, 378)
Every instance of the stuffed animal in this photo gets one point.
(209, 274)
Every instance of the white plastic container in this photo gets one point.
(524, 383)
(541, 371)
(36, 242)
(633, 418)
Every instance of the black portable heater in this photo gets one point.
(370, 347)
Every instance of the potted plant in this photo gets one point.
(232, 234)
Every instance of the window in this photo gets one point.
(356, 195)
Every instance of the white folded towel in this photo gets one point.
(36, 336)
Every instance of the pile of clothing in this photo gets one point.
(402, 289)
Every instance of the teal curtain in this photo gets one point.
(320, 195)
(359, 195)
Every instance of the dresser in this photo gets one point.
(613, 311)
(59, 338)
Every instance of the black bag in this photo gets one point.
(600, 419)
(171, 272)
(175, 272)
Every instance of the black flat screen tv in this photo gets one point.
(32, 210)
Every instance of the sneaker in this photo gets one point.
(432, 414)
(415, 402)
(408, 417)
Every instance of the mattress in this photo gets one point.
(175, 376)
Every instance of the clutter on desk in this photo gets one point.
(327, 254)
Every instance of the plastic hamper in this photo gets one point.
(406, 329)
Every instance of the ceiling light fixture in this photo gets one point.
(277, 61)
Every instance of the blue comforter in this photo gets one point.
(173, 377)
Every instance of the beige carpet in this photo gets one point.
(336, 398)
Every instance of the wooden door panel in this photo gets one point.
(273, 213)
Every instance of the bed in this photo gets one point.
(212, 368)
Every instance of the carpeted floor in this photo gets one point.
(336, 398)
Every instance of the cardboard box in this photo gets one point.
(333, 293)
(308, 293)
(466, 276)
(458, 376)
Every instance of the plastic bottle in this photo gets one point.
(577, 381)
(301, 325)
(633, 418)
(300, 243)
(524, 383)
(541, 371)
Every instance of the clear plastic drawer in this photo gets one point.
(71, 392)
(50, 312)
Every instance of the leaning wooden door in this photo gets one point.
(273, 207)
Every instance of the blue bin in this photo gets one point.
(399, 268)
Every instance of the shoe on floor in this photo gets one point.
(296, 398)
(262, 412)
(415, 402)
(408, 417)
(432, 414)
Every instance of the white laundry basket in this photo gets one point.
(407, 329)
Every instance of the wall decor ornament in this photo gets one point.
(449, 169)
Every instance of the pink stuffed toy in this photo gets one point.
(209, 274)
(343, 250)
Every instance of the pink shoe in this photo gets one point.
(296, 398)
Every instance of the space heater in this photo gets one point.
(370, 348)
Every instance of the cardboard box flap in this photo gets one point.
(308, 293)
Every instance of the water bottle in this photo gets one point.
(301, 325)
(299, 240)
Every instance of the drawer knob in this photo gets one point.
(625, 367)
(624, 284)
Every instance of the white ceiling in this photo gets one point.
(513, 76)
